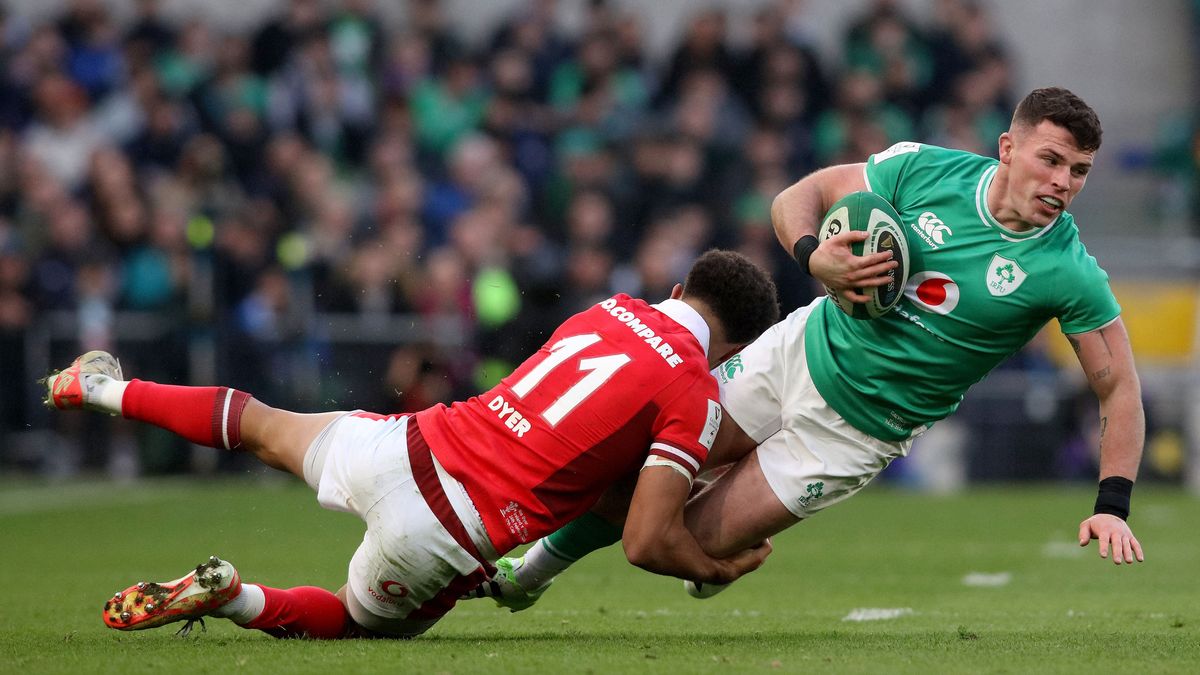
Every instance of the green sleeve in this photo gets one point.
(1092, 304)
(885, 169)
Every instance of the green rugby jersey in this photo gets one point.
(977, 292)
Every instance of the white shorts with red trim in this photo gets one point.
(410, 568)
(811, 457)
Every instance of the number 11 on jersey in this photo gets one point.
(598, 368)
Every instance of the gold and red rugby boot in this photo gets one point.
(189, 598)
(65, 388)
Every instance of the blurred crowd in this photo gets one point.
(204, 200)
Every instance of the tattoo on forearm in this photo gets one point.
(1103, 428)
(1102, 373)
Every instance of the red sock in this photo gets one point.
(305, 611)
(205, 415)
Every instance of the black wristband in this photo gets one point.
(1113, 497)
(803, 250)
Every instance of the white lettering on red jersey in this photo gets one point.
(616, 383)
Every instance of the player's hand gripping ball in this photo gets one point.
(869, 212)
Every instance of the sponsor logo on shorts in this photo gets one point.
(381, 597)
(731, 368)
(395, 589)
(814, 492)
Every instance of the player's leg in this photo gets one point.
(281, 438)
(737, 511)
(214, 589)
(424, 546)
(218, 417)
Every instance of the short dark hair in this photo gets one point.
(739, 293)
(1064, 109)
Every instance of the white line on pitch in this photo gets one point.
(986, 579)
(877, 613)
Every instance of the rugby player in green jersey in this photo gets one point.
(821, 402)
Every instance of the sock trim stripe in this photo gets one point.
(225, 419)
(557, 553)
(237, 405)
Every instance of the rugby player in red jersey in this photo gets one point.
(620, 388)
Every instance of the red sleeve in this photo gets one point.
(687, 422)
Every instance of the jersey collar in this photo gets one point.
(685, 315)
(981, 190)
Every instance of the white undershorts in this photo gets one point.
(810, 456)
(408, 566)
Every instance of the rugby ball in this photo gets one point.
(871, 213)
(702, 591)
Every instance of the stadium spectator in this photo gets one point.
(62, 137)
(702, 47)
(533, 33)
(274, 43)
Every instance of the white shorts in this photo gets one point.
(410, 568)
(810, 456)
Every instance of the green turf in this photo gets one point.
(65, 549)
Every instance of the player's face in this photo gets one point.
(1045, 172)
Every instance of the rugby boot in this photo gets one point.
(189, 598)
(66, 389)
(506, 590)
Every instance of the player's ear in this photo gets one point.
(1006, 147)
(677, 292)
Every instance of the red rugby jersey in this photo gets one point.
(615, 383)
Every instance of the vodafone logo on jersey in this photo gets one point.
(932, 291)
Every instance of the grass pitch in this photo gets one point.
(888, 582)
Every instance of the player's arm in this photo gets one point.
(1107, 361)
(730, 445)
(796, 214)
(656, 539)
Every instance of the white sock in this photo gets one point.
(103, 393)
(541, 565)
(245, 607)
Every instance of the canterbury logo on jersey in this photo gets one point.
(931, 229)
(933, 292)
